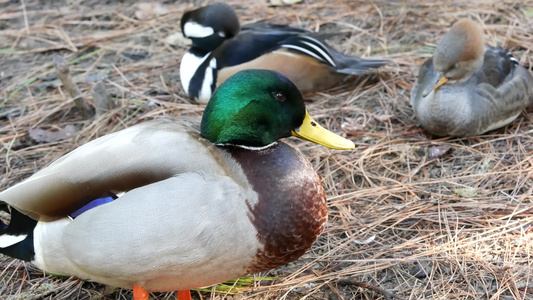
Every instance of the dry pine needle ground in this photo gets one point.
(409, 216)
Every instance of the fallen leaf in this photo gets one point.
(381, 118)
(466, 192)
(45, 136)
(439, 151)
(365, 242)
(486, 166)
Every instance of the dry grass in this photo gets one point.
(402, 219)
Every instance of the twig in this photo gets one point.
(26, 23)
(63, 73)
(387, 295)
(101, 99)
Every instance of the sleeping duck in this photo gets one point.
(220, 48)
(468, 88)
(175, 204)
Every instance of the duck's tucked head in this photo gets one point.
(255, 108)
(210, 25)
(460, 52)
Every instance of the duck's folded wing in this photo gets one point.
(117, 162)
(511, 95)
(506, 86)
(247, 46)
(182, 223)
(258, 39)
(498, 64)
(498, 106)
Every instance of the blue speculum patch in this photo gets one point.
(91, 205)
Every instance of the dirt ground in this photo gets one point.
(410, 216)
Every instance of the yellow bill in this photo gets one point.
(313, 132)
(441, 81)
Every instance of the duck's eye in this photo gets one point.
(279, 96)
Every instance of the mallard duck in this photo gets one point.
(220, 49)
(180, 203)
(467, 88)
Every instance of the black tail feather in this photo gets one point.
(352, 65)
(16, 238)
(364, 68)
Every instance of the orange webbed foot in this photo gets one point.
(139, 293)
(184, 295)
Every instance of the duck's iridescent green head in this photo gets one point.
(255, 108)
